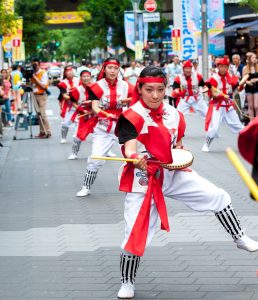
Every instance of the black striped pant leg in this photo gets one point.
(129, 265)
(64, 132)
(230, 221)
(89, 178)
(209, 140)
(76, 146)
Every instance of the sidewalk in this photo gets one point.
(54, 245)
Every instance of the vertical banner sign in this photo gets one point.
(129, 30)
(182, 11)
(176, 40)
(216, 24)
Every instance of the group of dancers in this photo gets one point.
(148, 129)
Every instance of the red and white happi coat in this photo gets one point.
(67, 84)
(86, 123)
(190, 85)
(158, 132)
(156, 138)
(110, 97)
(226, 85)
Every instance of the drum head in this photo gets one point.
(181, 159)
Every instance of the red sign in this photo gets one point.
(16, 43)
(150, 5)
(176, 33)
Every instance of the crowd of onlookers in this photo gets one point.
(11, 81)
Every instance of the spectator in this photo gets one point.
(16, 77)
(132, 73)
(251, 87)
(40, 86)
(6, 97)
(173, 69)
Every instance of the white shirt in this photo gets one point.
(134, 73)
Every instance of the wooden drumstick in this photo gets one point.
(243, 172)
(218, 91)
(125, 159)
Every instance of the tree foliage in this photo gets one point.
(253, 4)
(105, 14)
(34, 15)
(7, 19)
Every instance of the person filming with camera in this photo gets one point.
(40, 83)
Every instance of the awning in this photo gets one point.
(231, 28)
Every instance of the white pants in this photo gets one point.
(102, 142)
(188, 187)
(67, 119)
(198, 105)
(230, 117)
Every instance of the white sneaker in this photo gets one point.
(63, 141)
(83, 192)
(205, 148)
(247, 244)
(126, 291)
(72, 156)
(111, 154)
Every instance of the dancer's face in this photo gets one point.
(111, 71)
(69, 73)
(222, 69)
(152, 94)
(86, 78)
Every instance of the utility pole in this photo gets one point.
(135, 4)
(205, 39)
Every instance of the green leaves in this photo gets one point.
(253, 4)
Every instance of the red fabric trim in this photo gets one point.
(135, 155)
(86, 126)
(248, 139)
(209, 115)
(137, 240)
(181, 127)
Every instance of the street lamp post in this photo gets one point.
(205, 63)
(135, 4)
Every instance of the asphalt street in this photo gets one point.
(54, 245)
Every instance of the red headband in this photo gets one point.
(151, 80)
(85, 71)
(68, 69)
(112, 62)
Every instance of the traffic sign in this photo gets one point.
(150, 5)
(151, 17)
(8, 54)
(16, 43)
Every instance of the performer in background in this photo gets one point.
(248, 146)
(108, 95)
(150, 129)
(66, 108)
(221, 105)
(186, 89)
(83, 112)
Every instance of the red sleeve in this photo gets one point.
(177, 80)
(74, 94)
(211, 82)
(97, 90)
(181, 127)
(130, 90)
(62, 85)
